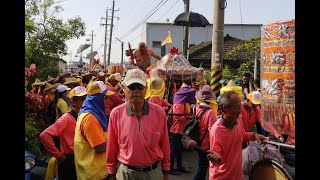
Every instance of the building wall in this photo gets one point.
(156, 32)
(62, 65)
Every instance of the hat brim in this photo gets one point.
(50, 87)
(109, 93)
(128, 83)
(255, 101)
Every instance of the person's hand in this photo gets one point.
(62, 158)
(130, 61)
(245, 90)
(166, 176)
(214, 157)
(259, 138)
(279, 137)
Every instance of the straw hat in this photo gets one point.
(231, 86)
(65, 75)
(49, 78)
(48, 86)
(70, 81)
(156, 83)
(37, 82)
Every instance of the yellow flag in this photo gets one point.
(167, 40)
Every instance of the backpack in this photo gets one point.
(191, 131)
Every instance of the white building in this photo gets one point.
(154, 33)
(62, 64)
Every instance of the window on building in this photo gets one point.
(163, 51)
(156, 44)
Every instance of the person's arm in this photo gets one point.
(46, 137)
(267, 125)
(165, 144)
(216, 147)
(165, 103)
(247, 136)
(155, 55)
(132, 61)
(113, 145)
(212, 119)
(94, 133)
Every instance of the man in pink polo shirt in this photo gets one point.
(226, 137)
(64, 128)
(137, 135)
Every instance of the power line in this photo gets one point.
(144, 20)
(136, 17)
(241, 19)
(155, 9)
(156, 21)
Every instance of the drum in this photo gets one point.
(268, 169)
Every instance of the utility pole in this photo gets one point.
(121, 50)
(186, 30)
(217, 45)
(91, 44)
(111, 27)
(105, 41)
(121, 53)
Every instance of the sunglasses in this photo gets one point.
(133, 87)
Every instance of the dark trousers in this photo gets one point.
(67, 169)
(176, 150)
(203, 164)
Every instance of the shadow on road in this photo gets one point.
(189, 161)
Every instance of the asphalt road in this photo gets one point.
(189, 161)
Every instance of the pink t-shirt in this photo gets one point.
(64, 127)
(206, 122)
(228, 144)
(137, 142)
(179, 122)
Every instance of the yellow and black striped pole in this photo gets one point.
(217, 45)
(216, 76)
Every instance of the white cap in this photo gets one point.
(135, 76)
(62, 88)
(101, 73)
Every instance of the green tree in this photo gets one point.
(46, 36)
(249, 50)
(45, 41)
(226, 73)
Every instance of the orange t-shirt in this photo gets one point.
(92, 131)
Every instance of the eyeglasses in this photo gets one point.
(135, 86)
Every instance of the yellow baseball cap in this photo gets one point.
(77, 91)
(96, 87)
(254, 97)
(116, 76)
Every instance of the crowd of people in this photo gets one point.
(111, 126)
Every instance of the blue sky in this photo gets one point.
(131, 12)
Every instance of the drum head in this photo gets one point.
(268, 169)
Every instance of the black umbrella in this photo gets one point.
(191, 19)
(83, 47)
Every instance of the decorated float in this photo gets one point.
(278, 75)
(175, 69)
